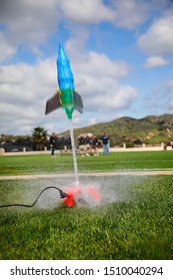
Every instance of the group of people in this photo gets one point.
(92, 145)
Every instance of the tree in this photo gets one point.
(39, 137)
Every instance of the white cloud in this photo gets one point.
(6, 50)
(28, 21)
(158, 38)
(155, 61)
(24, 90)
(96, 79)
(114, 11)
(115, 98)
(97, 65)
(86, 12)
(137, 11)
(131, 13)
(31, 22)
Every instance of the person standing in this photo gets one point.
(52, 144)
(105, 143)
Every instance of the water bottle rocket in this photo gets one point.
(66, 96)
(65, 81)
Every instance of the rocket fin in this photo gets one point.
(78, 104)
(53, 103)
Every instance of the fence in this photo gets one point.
(143, 148)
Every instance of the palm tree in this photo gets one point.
(39, 137)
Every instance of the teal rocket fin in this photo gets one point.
(53, 103)
(78, 104)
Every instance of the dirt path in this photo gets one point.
(87, 174)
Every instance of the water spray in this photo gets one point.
(69, 198)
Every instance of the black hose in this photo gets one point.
(62, 195)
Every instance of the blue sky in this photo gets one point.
(121, 55)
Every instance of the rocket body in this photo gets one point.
(66, 96)
(65, 81)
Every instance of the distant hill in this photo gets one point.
(133, 132)
(149, 130)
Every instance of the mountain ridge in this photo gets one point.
(151, 129)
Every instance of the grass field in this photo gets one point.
(40, 164)
(133, 221)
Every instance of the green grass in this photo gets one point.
(133, 222)
(39, 164)
(138, 225)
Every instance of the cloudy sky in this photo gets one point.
(121, 55)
